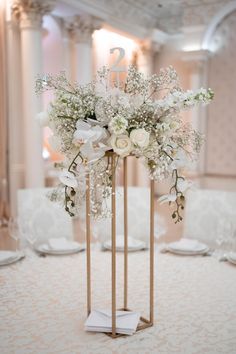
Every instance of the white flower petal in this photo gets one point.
(121, 144)
(167, 198)
(68, 179)
(140, 137)
(81, 125)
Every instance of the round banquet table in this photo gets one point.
(43, 305)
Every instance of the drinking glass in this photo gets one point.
(225, 236)
(31, 234)
(14, 232)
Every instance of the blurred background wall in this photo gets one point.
(37, 36)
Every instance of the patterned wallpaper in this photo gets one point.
(221, 129)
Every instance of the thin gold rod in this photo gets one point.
(88, 239)
(125, 236)
(113, 234)
(152, 201)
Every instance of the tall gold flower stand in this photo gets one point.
(144, 322)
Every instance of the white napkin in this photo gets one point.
(101, 321)
(61, 244)
(132, 242)
(7, 256)
(188, 245)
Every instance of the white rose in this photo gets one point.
(43, 119)
(140, 137)
(121, 144)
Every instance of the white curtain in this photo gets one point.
(4, 209)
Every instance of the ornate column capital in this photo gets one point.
(81, 28)
(30, 13)
(149, 47)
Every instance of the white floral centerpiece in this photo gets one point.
(139, 117)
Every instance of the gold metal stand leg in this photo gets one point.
(125, 236)
(113, 232)
(88, 236)
(152, 201)
(144, 322)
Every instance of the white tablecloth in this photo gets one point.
(43, 305)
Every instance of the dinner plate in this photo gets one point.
(232, 257)
(45, 249)
(187, 247)
(13, 259)
(188, 253)
(139, 245)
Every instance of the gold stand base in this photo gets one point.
(144, 323)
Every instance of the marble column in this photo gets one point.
(68, 50)
(81, 29)
(15, 117)
(29, 15)
(197, 62)
(146, 55)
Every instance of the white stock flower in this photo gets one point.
(140, 137)
(68, 179)
(43, 119)
(118, 125)
(121, 144)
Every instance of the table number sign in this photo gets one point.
(116, 67)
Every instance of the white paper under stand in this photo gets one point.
(101, 321)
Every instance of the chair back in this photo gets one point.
(46, 218)
(210, 215)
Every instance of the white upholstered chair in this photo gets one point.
(209, 213)
(48, 219)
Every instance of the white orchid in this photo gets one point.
(92, 154)
(86, 133)
(68, 179)
(183, 185)
(167, 198)
(181, 160)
